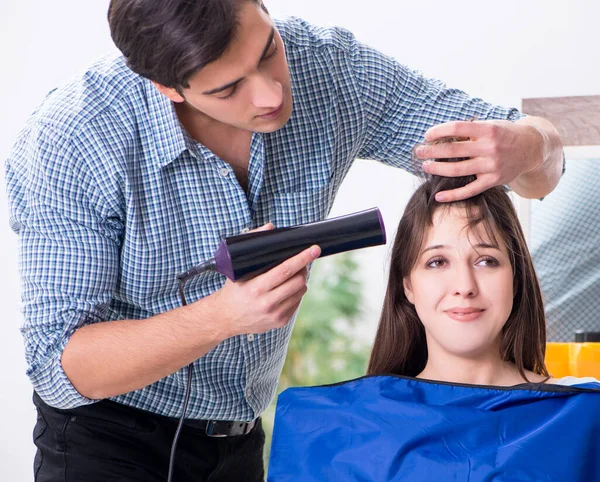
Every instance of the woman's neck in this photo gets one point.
(487, 369)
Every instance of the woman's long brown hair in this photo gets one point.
(400, 346)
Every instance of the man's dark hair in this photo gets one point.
(168, 41)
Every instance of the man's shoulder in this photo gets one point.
(298, 34)
(104, 89)
(84, 122)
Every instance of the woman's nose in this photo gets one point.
(465, 283)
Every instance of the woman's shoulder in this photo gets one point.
(570, 381)
(567, 381)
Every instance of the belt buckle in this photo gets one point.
(210, 429)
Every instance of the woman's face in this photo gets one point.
(461, 286)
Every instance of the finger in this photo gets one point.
(289, 308)
(470, 167)
(287, 317)
(264, 227)
(285, 298)
(449, 150)
(455, 129)
(465, 192)
(287, 289)
(281, 273)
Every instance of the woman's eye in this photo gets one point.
(489, 262)
(436, 263)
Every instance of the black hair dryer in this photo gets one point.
(254, 253)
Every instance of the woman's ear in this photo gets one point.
(408, 290)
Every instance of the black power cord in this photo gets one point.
(188, 389)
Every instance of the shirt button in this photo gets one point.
(249, 392)
(224, 172)
(250, 337)
(245, 230)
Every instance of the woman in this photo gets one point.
(458, 387)
(463, 303)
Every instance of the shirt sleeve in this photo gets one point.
(400, 105)
(69, 240)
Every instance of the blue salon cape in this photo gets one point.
(387, 428)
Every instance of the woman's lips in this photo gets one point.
(464, 314)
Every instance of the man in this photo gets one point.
(217, 120)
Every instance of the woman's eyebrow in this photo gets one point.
(430, 248)
(479, 245)
(487, 245)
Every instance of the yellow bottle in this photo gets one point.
(578, 359)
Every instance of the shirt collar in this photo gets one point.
(168, 134)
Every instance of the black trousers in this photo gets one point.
(109, 442)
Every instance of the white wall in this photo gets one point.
(501, 51)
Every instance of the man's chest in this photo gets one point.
(235, 151)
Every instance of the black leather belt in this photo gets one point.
(221, 428)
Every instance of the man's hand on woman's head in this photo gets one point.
(496, 152)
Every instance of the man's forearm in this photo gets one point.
(545, 151)
(111, 358)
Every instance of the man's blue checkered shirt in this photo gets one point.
(111, 200)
